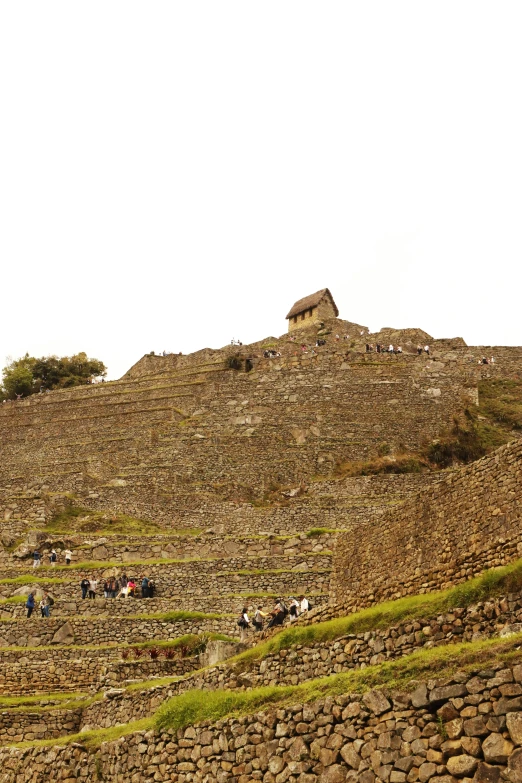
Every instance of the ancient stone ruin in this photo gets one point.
(305, 465)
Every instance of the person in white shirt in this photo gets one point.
(305, 604)
(68, 556)
(294, 610)
(244, 624)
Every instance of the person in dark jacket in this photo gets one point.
(84, 584)
(30, 604)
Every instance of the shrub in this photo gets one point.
(234, 362)
(170, 653)
(125, 654)
(153, 653)
(137, 652)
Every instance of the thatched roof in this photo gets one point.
(312, 301)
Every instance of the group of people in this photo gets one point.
(277, 615)
(46, 602)
(270, 354)
(118, 587)
(53, 557)
(370, 348)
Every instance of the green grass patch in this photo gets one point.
(85, 520)
(86, 565)
(29, 579)
(178, 615)
(501, 401)
(493, 582)
(23, 701)
(91, 740)
(315, 532)
(188, 641)
(195, 706)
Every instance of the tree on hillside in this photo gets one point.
(28, 375)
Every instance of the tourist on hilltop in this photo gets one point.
(427, 349)
(93, 584)
(53, 557)
(390, 348)
(492, 360)
(144, 587)
(419, 349)
(30, 604)
(84, 584)
(243, 623)
(36, 558)
(305, 604)
(484, 360)
(399, 349)
(259, 618)
(378, 348)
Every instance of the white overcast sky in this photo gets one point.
(175, 174)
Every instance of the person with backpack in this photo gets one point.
(144, 587)
(258, 619)
(84, 584)
(243, 623)
(53, 557)
(36, 558)
(30, 604)
(45, 605)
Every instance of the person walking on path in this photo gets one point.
(259, 618)
(68, 556)
(36, 558)
(53, 557)
(30, 604)
(144, 587)
(244, 624)
(84, 584)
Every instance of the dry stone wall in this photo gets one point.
(448, 533)
(502, 616)
(101, 630)
(23, 726)
(465, 727)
